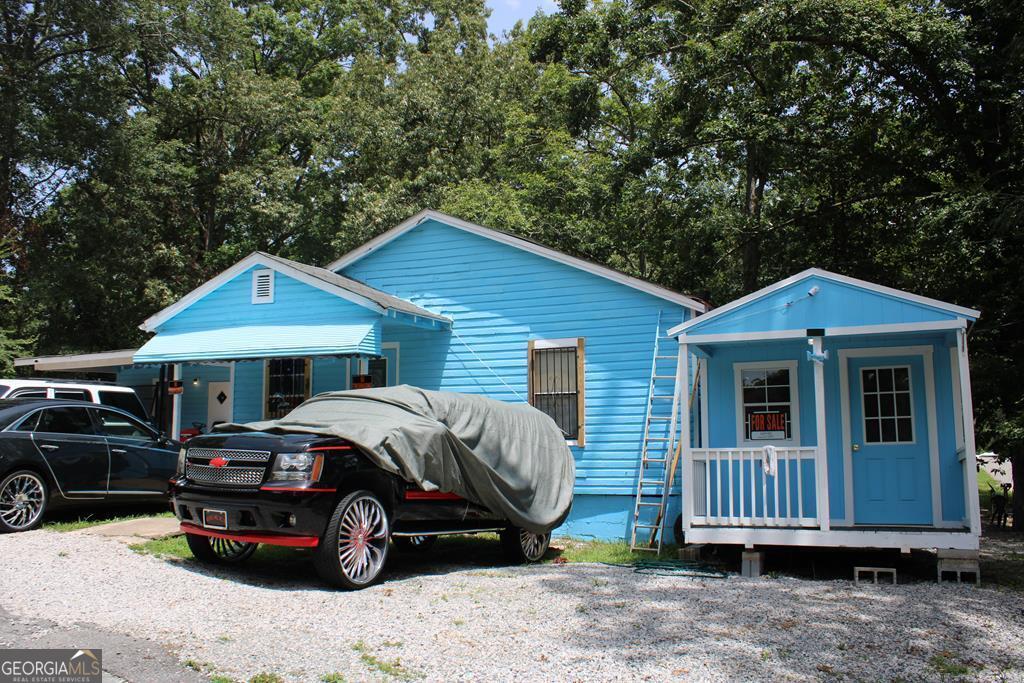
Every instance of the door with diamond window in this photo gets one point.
(218, 403)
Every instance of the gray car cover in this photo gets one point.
(512, 459)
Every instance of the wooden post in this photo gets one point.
(821, 459)
(970, 456)
(683, 394)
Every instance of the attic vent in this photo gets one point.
(263, 287)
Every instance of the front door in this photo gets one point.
(218, 403)
(889, 441)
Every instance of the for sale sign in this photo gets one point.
(767, 426)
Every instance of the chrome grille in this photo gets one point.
(227, 454)
(225, 476)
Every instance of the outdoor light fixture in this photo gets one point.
(195, 381)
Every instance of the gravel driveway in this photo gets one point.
(551, 622)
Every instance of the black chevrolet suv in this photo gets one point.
(233, 491)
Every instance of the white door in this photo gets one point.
(218, 403)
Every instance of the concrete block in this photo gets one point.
(753, 564)
(874, 572)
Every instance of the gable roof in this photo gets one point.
(519, 243)
(826, 275)
(330, 282)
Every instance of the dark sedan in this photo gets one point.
(57, 453)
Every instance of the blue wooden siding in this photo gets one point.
(331, 374)
(499, 298)
(836, 305)
(722, 414)
(248, 391)
(301, 321)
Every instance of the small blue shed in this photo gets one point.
(831, 412)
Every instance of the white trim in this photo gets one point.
(972, 503)
(77, 361)
(888, 328)
(231, 378)
(843, 279)
(836, 538)
(176, 403)
(705, 421)
(564, 343)
(794, 402)
(254, 259)
(821, 437)
(926, 353)
(256, 275)
(519, 243)
(397, 346)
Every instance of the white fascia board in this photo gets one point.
(828, 275)
(78, 361)
(769, 335)
(836, 538)
(519, 243)
(254, 259)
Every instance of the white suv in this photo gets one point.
(124, 398)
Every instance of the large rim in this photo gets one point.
(230, 550)
(22, 499)
(534, 545)
(363, 540)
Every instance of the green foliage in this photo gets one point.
(710, 146)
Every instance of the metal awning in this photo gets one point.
(104, 361)
(262, 341)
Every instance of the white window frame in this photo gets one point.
(794, 401)
(255, 278)
(577, 343)
(864, 416)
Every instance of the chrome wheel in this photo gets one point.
(534, 545)
(363, 540)
(22, 500)
(228, 550)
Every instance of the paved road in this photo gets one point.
(125, 658)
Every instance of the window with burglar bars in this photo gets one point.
(556, 383)
(287, 385)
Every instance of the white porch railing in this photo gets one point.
(730, 487)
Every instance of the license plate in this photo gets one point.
(215, 519)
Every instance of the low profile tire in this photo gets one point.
(219, 550)
(23, 499)
(414, 544)
(354, 550)
(522, 546)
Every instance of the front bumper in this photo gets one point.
(288, 518)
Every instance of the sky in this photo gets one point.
(505, 13)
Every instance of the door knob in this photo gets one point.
(855, 447)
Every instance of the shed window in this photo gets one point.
(888, 416)
(768, 402)
(556, 383)
(263, 286)
(287, 385)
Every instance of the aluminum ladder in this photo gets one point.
(659, 444)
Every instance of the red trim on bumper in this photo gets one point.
(329, 448)
(268, 539)
(297, 489)
(413, 494)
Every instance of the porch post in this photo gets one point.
(176, 406)
(683, 396)
(821, 454)
(970, 455)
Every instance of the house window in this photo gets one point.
(768, 407)
(556, 379)
(263, 286)
(888, 415)
(287, 385)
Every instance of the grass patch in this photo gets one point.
(172, 546)
(332, 678)
(945, 664)
(91, 519)
(392, 669)
(217, 678)
(266, 678)
(608, 552)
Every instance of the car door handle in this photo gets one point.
(49, 446)
(118, 450)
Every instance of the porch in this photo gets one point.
(820, 421)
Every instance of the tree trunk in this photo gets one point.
(751, 258)
(1017, 464)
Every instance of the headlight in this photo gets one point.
(297, 467)
(181, 462)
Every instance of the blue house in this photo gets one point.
(819, 411)
(831, 412)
